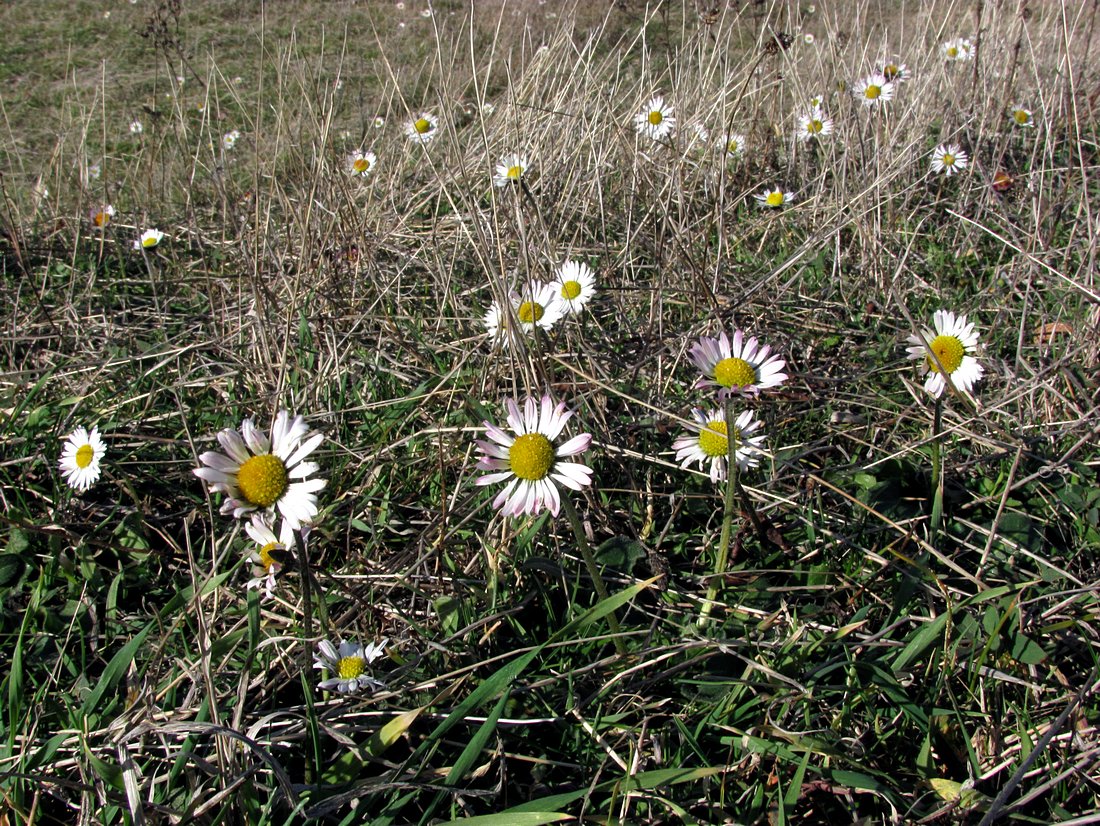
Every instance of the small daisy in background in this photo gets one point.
(813, 125)
(95, 171)
(423, 128)
(361, 164)
(257, 473)
(149, 239)
(740, 366)
(270, 551)
(81, 457)
(540, 307)
(947, 349)
(708, 442)
(696, 135)
(949, 159)
(874, 90)
(101, 216)
(229, 139)
(136, 128)
(958, 48)
(510, 169)
(347, 663)
(1022, 117)
(528, 462)
(774, 198)
(895, 71)
(733, 145)
(808, 38)
(816, 101)
(656, 120)
(575, 284)
(379, 122)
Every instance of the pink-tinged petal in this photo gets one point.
(255, 438)
(557, 421)
(489, 463)
(211, 475)
(234, 445)
(493, 478)
(498, 435)
(279, 428)
(531, 414)
(306, 448)
(218, 461)
(502, 497)
(578, 444)
(553, 499)
(515, 420)
(546, 413)
(492, 449)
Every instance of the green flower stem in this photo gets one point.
(937, 473)
(593, 569)
(307, 587)
(728, 512)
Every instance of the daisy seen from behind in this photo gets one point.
(423, 128)
(949, 159)
(738, 366)
(149, 239)
(269, 551)
(733, 145)
(361, 164)
(656, 120)
(958, 48)
(136, 128)
(81, 457)
(813, 124)
(575, 284)
(346, 663)
(947, 350)
(257, 473)
(510, 170)
(1022, 117)
(874, 90)
(529, 462)
(895, 71)
(774, 198)
(707, 441)
(101, 216)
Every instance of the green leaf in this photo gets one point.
(115, 670)
(394, 729)
(922, 640)
(1025, 650)
(477, 743)
(512, 818)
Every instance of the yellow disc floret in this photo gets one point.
(949, 350)
(514, 172)
(814, 126)
(775, 199)
(890, 71)
(713, 439)
(267, 554)
(531, 456)
(422, 126)
(84, 455)
(262, 480)
(530, 312)
(872, 92)
(361, 165)
(948, 159)
(655, 117)
(734, 372)
(351, 667)
(1022, 116)
(570, 290)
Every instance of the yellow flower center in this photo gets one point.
(872, 92)
(514, 172)
(713, 440)
(1022, 116)
(531, 456)
(150, 241)
(952, 51)
(949, 350)
(422, 126)
(775, 199)
(733, 147)
(734, 372)
(266, 554)
(655, 117)
(948, 159)
(890, 71)
(361, 165)
(530, 312)
(814, 126)
(101, 218)
(351, 667)
(262, 480)
(84, 456)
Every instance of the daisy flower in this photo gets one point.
(80, 458)
(529, 462)
(102, 216)
(895, 72)
(733, 144)
(257, 473)
(816, 101)
(814, 124)
(874, 90)
(270, 551)
(149, 239)
(347, 663)
(229, 139)
(423, 128)
(575, 284)
(136, 128)
(697, 134)
(949, 159)
(738, 367)
(958, 48)
(1022, 117)
(774, 198)
(362, 163)
(656, 120)
(808, 38)
(949, 349)
(708, 441)
(94, 172)
(540, 307)
(510, 169)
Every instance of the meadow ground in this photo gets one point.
(884, 613)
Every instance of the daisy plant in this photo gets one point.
(874, 90)
(957, 49)
(1022, 117)
(813, 125)
(423, 128)
(774, 198)
(81, 457)
(738, 366)
(656, 120)
(733, 145)
(346, 664)
(149, 239)
(575, 284)
(361, 164)
(949, 159)
(269, 553)
(102, 215)
(540, 307)
(510, 170)
(895, 71)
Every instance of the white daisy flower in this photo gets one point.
(379, 122)
(733, 144)
(743, 366)
(540, 307)
(874, 90)
(94, 172)
(697, 134)
(270, 551)
(136, 128)
(949, 159)
(423, 128)
(347, 663)
(774, 198)
(808, 38)
(575, 284)
(958, 48)
(229, 139)
(257, 473)
(950, 349)
(1022, 117)
(895, 71)
(149, 239)
(529, 462)
(656, 120)
(708, 441)
(510, 169)
(362, 163)
(80, 458)
(101, 216)
(814, 124)
(816, 101)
